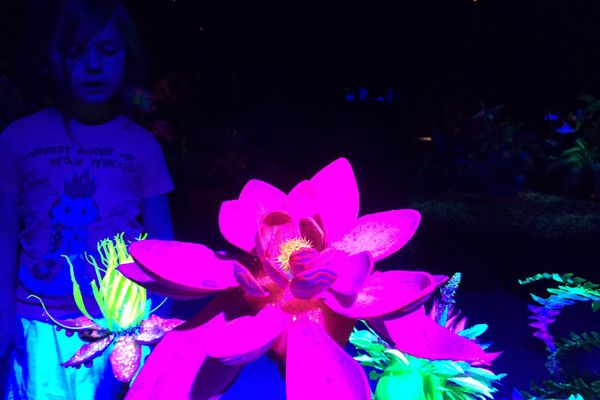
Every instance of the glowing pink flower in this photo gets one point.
(306, 277)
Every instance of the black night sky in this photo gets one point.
(439, 55)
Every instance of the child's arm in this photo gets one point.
(9, 233)
(156, 216)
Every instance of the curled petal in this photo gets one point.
(190, 266)
(125, 358)
(387, 292)
(154, 328)
(381, 234)
(247, 281)
(247, 338)
(418, 335)
(351, 271)
(239, 219)
(304, 259)
(276, 274)
(312, 231)
(312, 282)
(88, 352)
(318, 368)
(275, 228)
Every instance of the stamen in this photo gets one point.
(286, 249)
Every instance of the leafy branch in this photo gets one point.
(572, 289)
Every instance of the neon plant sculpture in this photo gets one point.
(127, 319)
(306, 276)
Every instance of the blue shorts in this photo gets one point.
(37, 374)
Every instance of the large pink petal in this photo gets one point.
(381, 234)
(302, 201)
(88, 352)
(178, 357)
(338, 200)
(239, 219)
(318, 368)
(418, 335)
(267, 196)
(191, 266)
(247, 338)
(387, 292)
(351, 271)
(248, 282)
(159, 286)
(213, 379)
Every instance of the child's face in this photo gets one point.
(97, 68)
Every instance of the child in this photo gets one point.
(70, 176)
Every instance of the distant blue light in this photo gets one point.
(363, 93)
(565, 129)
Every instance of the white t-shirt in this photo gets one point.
(74, 193)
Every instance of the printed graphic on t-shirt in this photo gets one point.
(83, 156)
(71, 215)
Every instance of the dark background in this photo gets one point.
(263, 88)
(443, 59)
(278, 72)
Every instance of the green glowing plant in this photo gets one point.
(403, 376)
(122, 302)
(126, 323)
(400, 375)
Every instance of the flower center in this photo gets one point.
(287, 247)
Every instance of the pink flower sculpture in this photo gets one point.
(306, 277)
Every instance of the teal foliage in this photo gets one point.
(580, 155)
(403, 376)
(575, 389)
(569, 290)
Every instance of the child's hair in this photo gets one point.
(69, 27)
